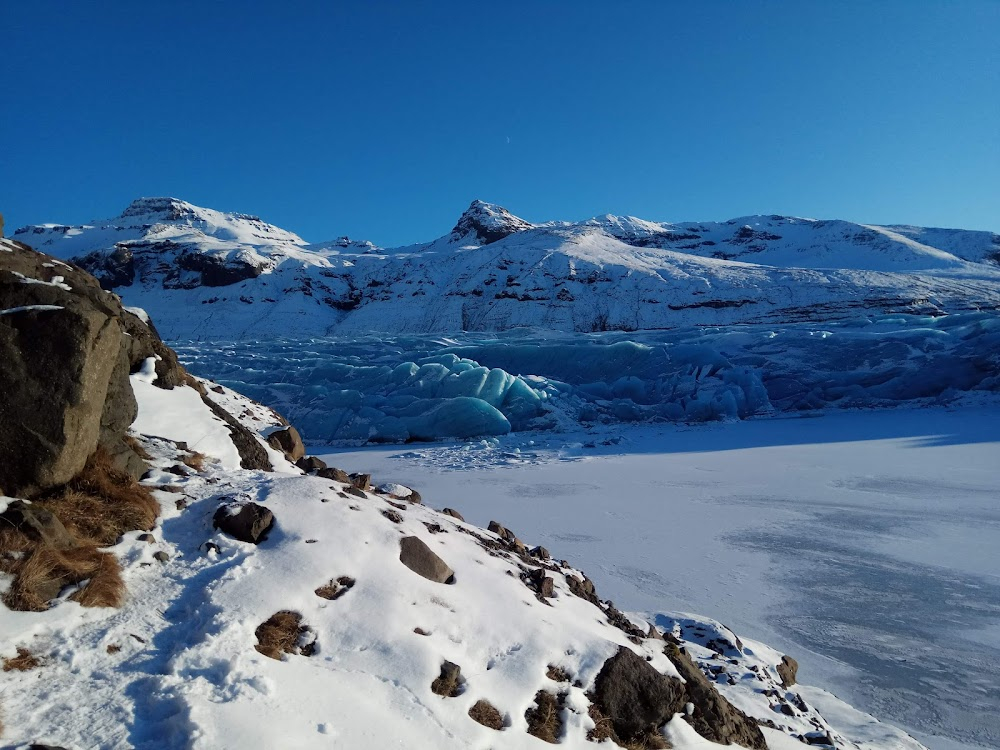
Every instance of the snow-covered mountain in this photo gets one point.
(495, 272)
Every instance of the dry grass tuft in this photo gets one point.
(42, 574)
(283, 633)
(138, 448)
(557, 674)
(101, 503)
(194, 460)
(545, 717)
(24, 661)
(486, 714)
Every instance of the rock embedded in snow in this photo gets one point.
(634, 696)
(787, 671)
(244, 521)
(453, 513)
(309, 464)
(289, 442)
(38, 523)
(419, 558)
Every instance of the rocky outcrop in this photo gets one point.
(64, 382)
(634, 697)
(253, 455)
(484, 223)
(712, 716)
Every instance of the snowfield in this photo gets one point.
(176, 666)
(864, 544)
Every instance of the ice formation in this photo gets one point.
(424, 388)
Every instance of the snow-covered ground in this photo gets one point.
(176, 666)
(865, 544)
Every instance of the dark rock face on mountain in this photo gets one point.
(485, 223)
(65, 375)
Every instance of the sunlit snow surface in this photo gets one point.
(862, 543)
(404, 388)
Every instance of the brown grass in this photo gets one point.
(557, 674)
(281, 634)
(486, 714)
(24, 661)
(138, 448)
(545, 717)
(194, 460)
(41, 574)
(102, 502)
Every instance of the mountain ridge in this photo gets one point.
(494, 271)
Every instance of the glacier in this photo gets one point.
(367, 389)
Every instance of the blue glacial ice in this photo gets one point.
(411, 388)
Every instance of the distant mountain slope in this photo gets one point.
(495, 271)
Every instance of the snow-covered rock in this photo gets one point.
(496, 272)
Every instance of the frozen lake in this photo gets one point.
(864, 544)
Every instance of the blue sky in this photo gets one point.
(383, 120)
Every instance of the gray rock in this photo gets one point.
(289, 442)
(310, 464)
(453, 513)
(336, 475)
(65, 372)
(419, 558)
(161, 556)
(787, 671)
(634, 696)
(38, 523)
(362, 481)
(247, 522)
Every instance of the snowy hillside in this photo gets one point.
(326, 634)
(496, 272)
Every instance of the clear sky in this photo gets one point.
(383, 120)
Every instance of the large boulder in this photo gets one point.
(419, 558)
(634, 697)
(64, 380)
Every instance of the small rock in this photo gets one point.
(336, 475)
(361, 481)
(148, 538)
(161, 556)
(356, 492)
(392, 515)
(420, 631)
(787, 671)
(38, 523)
(247, 522)
(504, 533)
(211, 547)
(289, 442)
(309, 464)
(453, 513)
(419, 558)
(541, 553)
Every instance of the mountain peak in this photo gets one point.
(487, 222)
(163, 207)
